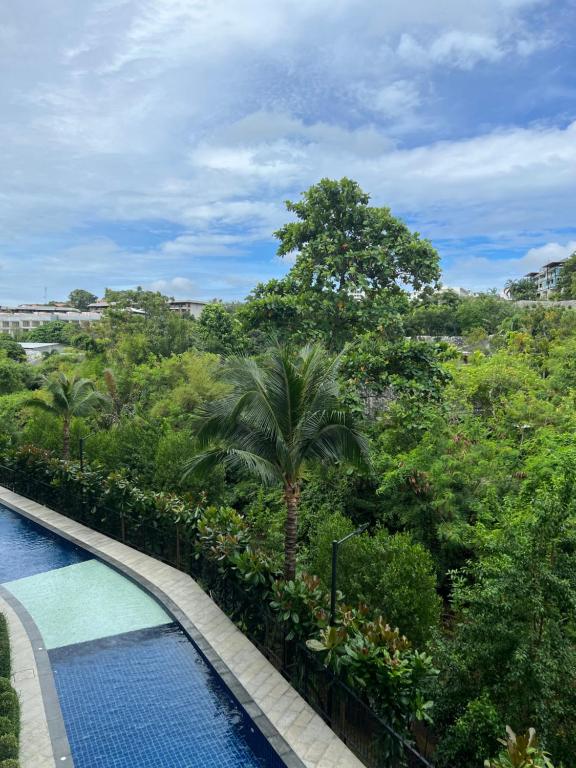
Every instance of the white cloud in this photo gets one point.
(208, 115)
(176, 286)
(455, 48)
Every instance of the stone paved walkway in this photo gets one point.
(301, 735)
(35, 742)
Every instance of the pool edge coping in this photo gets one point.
(47, 726)
(277, 741)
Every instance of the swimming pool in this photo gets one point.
(133, 689)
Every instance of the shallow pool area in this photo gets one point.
(134, 691)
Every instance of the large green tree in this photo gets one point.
(524, 288)
(14, 350)
(567, 280)
(69, 397)
(282, 414)
(351, 263)
(81, 299)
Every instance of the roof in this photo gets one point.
(46, 308)
(187, 301)
(554, 263)
(39, 344)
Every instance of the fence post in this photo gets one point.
(178, 563)
(122, 527)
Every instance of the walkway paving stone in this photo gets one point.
(302, 729)
(35, 743)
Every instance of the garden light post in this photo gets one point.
(335, 545)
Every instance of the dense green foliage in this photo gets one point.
(81, 299)
(524, 288)
(567, 280)
(349, 260)
(281, 415)
(468, 493)
(9, 707)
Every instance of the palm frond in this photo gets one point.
(282, 412)
(233, 458)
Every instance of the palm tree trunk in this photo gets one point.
(292, 498)
(66, 439)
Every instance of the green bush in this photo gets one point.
(8, 746)
(6, 724)
(4, 648)
(9, 763)
(471, 737)
(390, 573)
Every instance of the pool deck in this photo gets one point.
(294, 729)
(36, 739)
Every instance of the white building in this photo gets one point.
(16, 322)
(36, 350)
(190, 307)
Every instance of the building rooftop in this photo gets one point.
(553, 264)
(39, 344)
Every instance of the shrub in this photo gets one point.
(4, 648)
(391, 574)
(474, 735)
(8, 746)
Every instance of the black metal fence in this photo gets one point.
(374, 742)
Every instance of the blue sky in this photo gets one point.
(153, 142)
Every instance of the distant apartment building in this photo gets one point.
(546, 280)
(181, 306)
(17, 320)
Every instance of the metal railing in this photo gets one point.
(371, 739)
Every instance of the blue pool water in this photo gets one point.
(27, 549)
(143, 698)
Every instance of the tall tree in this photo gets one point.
(81, 299)
(352, 261)
(567, 280)
(69, 397)
(282, 414)
(524, 288)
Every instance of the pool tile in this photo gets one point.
(85, 601)
(148, 700)
(27, 548)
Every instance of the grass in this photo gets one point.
(9, 706)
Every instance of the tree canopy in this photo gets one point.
(351, 264)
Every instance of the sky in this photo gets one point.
(154, 142)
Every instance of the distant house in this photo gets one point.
(188, 307)
(36, 350)
(181, 306)
(546, 280)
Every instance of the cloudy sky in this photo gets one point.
(153, 142)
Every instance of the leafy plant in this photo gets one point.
(520, 752)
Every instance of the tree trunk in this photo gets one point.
(292, 498)
(66, 439)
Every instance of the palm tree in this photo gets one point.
(282, 414)
(70, 397)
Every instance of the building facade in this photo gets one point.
(16, 322)
(546, 280)
(190, 307)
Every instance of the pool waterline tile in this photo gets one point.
(85, 601)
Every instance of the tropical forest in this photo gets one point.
(356, 401)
